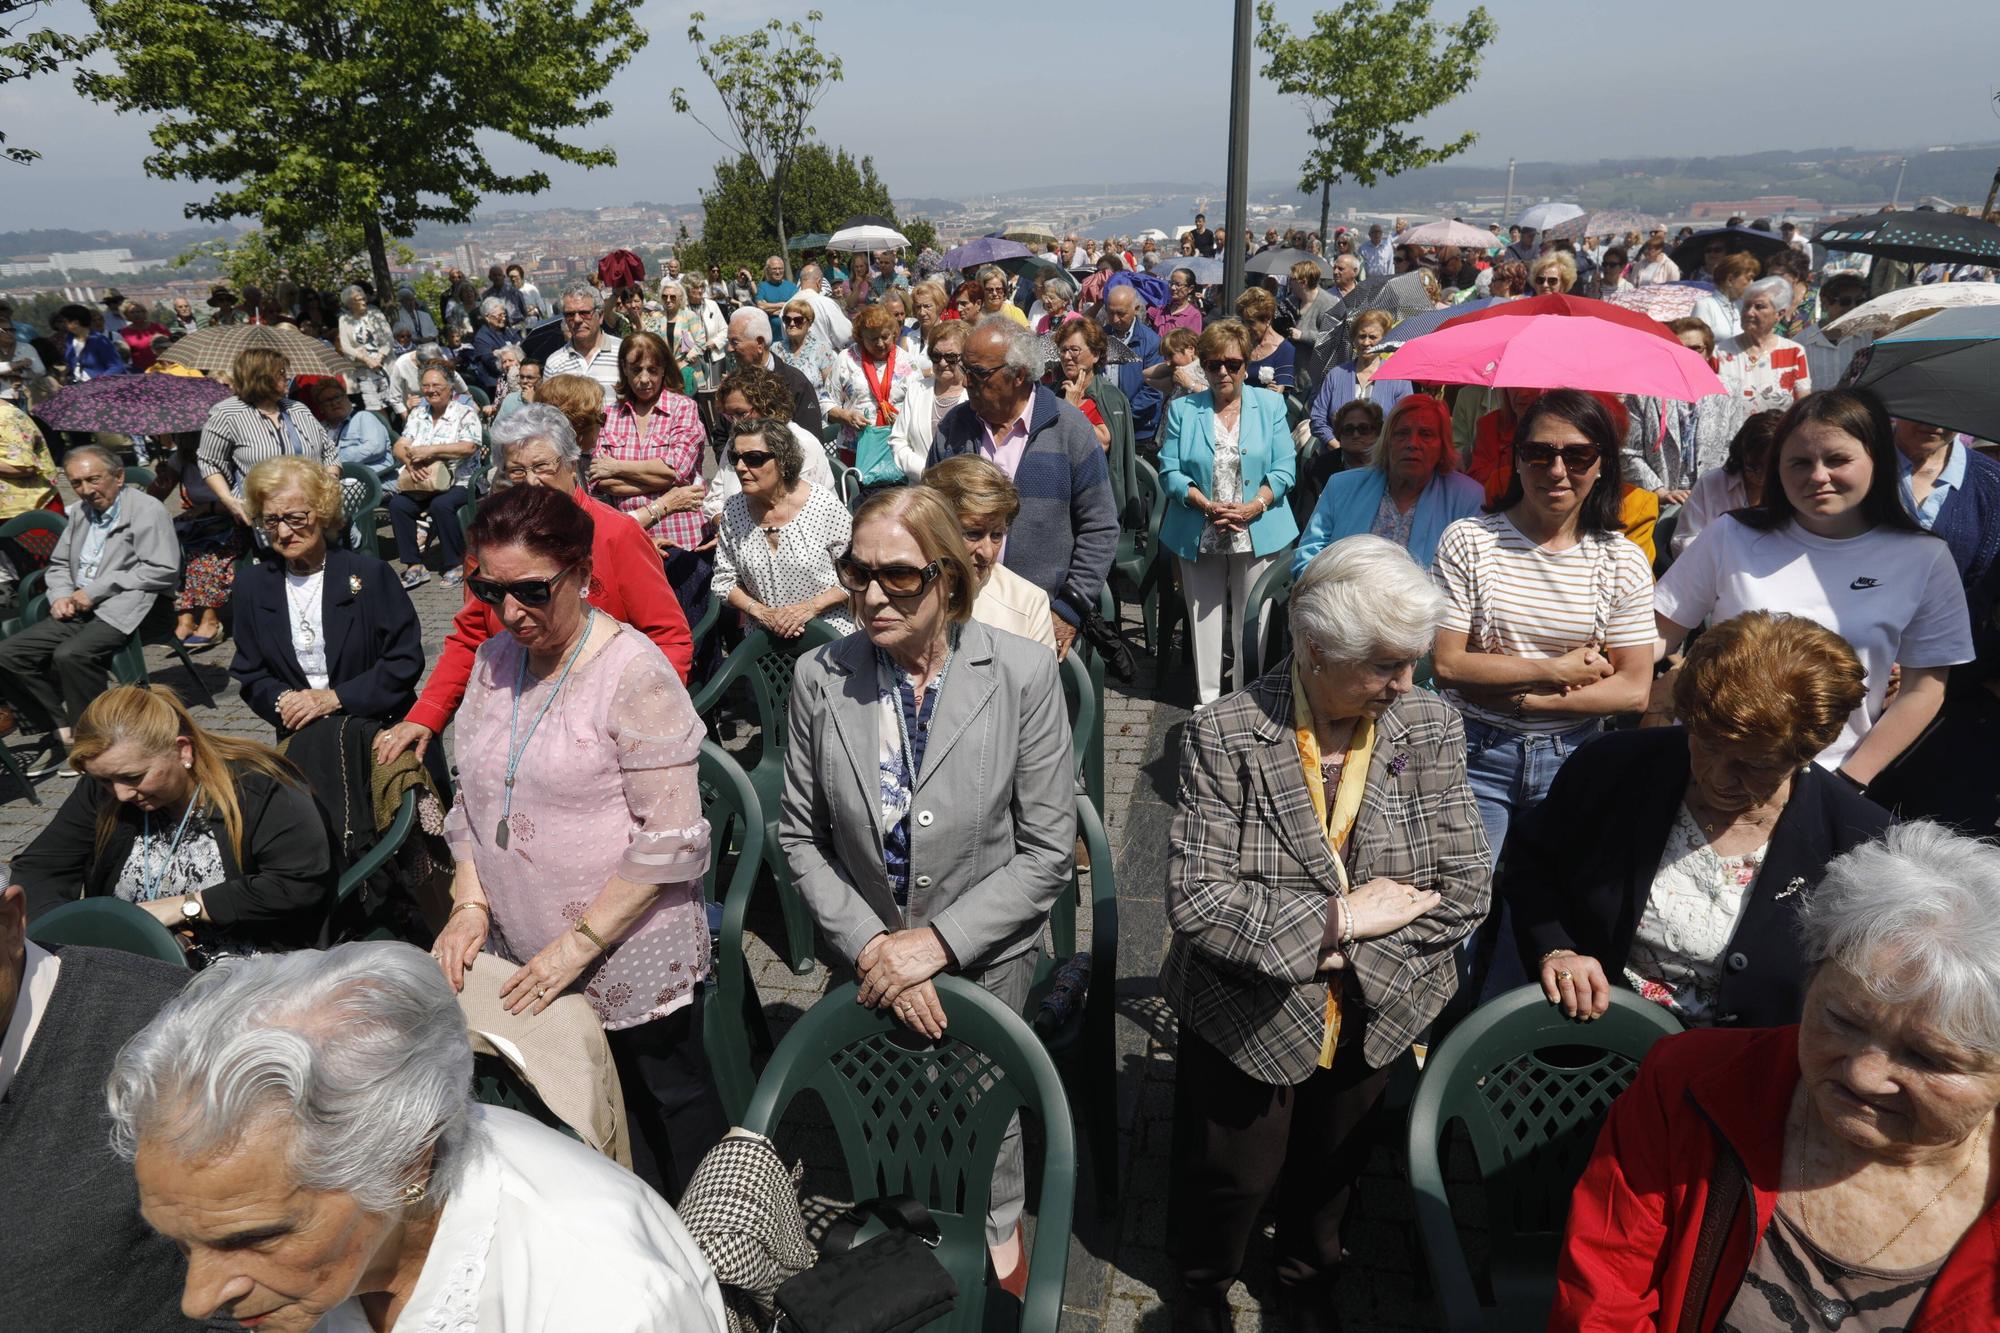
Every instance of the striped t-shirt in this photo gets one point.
(602, 366)
(1513, 597)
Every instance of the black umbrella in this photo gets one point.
(1918, 235)
(1688, 254)
(867, 220)
(1278, 263)
(540, 342)
(1943, 371)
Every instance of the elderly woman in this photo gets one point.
(339, 1176)
(1843, 1166)
(256, 423)
(1721, 309)
(974, 792)
(139, 333)
(319, 630)
(866, 384)
(1756, 365)
(217, 838)
(439, 451)
(1354, 380)
(986, 503)
(804, 347)
(365, 339)
(1552, 274)
(527, 384)
(1309, 952)
(1357, 428)
(1271, 355)
(578, 831)
(994, 288)
(483, 369)
(779, 536)
(1409, 492)
(1831, 540)
(927, 396)
(1737, 484)
(1673, 860)
(749, 391)
(648, 456)
(1056, 293)
(1081, 345)
(1507, 279)
(928, 300)
(1670, 445)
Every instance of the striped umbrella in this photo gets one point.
(216, 350)
(1602, 222)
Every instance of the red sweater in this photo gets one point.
(1636, 1213)
(627, 582)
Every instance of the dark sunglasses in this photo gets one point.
(528, 592)
(750, 458)
(896, 580)
(794, 320)
(1575, 457)
(1356, 428)
(980, 374)
(1232, 364)
(946, 360)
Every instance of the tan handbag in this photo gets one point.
(431, 478)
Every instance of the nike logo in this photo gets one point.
(1859, 584)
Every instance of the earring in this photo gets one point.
(413, 1194)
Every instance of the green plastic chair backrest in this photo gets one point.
(1155, 497)
(735, 828)
(35, 520)
(138, 477)
(927, 1120)
(1103, 898)
(1080, 695)
(1272, 589)
(107, 923)
(478, 395)
(371, 498)
(769, 664)
(1531, 1089)
(384, 847)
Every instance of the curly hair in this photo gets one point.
(1781, 684)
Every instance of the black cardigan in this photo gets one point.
(1579, 868)
(374, 644)
(277, 896)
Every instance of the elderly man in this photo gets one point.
(1378, 256)
(79, 1254)
(1121, 321)
(106, 574)
(885, 276)
(774, 291)
(1063, 539)
(828, 317)
(590, 350)
(184, 321)
(749, 345)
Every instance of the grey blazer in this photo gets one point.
(993, 817)
(141, 560)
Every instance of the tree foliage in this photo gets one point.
(739, 222)
(1363, 73)
(770, 80)
(319, 115)
(321, 260)
(24, 54)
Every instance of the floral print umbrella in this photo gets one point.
(134, 404)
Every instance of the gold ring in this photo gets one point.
(1563, 976)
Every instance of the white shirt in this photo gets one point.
(26, 362)
(1011, 603)
(544, 1236)
(458, 425)
(816, 470)
(1714, 494)
(602, 366)
(1894, 596)
(305, 603)
(828, 318)
(38, 983)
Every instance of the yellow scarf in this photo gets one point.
(1336, 818)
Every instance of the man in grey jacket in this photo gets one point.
(107, 573)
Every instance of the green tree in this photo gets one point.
(27, 53)
(321, 260)
(312, 115)
(770, 81)
(739, 225)
(1364, 72)
(923, 236)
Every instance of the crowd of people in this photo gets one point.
(1750, 636)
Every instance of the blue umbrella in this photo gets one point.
(1207, 272)
(985, 250)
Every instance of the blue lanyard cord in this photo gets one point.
(149, 879)
(515, 752)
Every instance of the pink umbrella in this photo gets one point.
(1552, 352)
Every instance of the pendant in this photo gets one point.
(500, 835)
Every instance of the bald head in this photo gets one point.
(1122, 302)
(810, 277)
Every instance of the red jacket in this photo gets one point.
(627, 582)
(1636, 1213)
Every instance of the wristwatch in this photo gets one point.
(190, 909)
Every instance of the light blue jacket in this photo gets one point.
(1349, 502)
(1187, 458)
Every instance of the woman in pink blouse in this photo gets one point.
(578, 834)
(648, 463)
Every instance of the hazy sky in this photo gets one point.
(1133, 92)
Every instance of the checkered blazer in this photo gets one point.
(1250, 874)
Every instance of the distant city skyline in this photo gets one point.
(1563, 82)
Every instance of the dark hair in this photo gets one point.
(1752, 445)
(642, 341)
(1367, 408)
(1844, 282)
(540, 519)
(1858, 413)
(1599, 511)
(1788, 263)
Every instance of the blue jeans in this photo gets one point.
(1510, 773)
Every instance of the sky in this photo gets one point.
(952, 102)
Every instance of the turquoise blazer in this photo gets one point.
(1188, 459)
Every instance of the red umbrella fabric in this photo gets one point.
(1507, 350)
(1574, 307)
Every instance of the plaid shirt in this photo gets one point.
(674, 436)
(1250, 875)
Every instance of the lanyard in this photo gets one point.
(935, 692)
(880, 389)
(149, 880)
(514, 753)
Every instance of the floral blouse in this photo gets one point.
(1684, 931)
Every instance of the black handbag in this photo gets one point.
(892, 1284)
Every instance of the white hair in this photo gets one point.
(532, 423)
(350, 291)
(580, 291)
(1780, 290)
(1364, 597)
(360, 1051)
(749, 319)
(491, 304)
(508, 352)
(1916, 916)
(1022, 353)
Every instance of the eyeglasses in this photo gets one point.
(528, 592)
(577, 316)
(794, 321)
(1232, 365)
(1550, 280)
(896, 580)
(539, 471)
(750, 458)
(1575, 457)
(980, 374)
(298, 521)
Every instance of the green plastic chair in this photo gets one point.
(37, 532)
(108, 923)
(139, 478)
(927, 1119)
(478, 395)
(767, 664)
(1086, 724)
(1531, 1088)
(733, 1024)
(1140, 561)
(1663, 541)
(128, 666)
(361, 513)
(1272, 590)
(385, 847)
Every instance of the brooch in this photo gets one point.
(354, 584)
(1398, 764)
(1791, 888)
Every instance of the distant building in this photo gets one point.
(65, 262)
(1763, 206)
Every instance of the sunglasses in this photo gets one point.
(896, 580)
(528, 592)
(980, 374)
(750, 458)
(794, 321)
(946, 360)
(1356, 428)
(1230, 364)
(1548, 280)
(1575, 457)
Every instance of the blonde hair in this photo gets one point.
(1257, 304)
(292, 471)
(971, 485)
(153, 718)
(578, 397)
(928, 517)
(1559, 261)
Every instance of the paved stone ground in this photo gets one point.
(1118, 1268)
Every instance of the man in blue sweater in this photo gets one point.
(1121, 321)
(1067, 531)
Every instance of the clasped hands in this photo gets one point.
(1379, 907)
(895, 970)
(298, 707)
(68, 608)
(1574, 670)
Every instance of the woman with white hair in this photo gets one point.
(1844, 1166)
(1327, 859)
(1758, 367)
(365, 339)
(492, 335)
(302, 1126)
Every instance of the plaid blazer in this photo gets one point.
(1250, 874)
